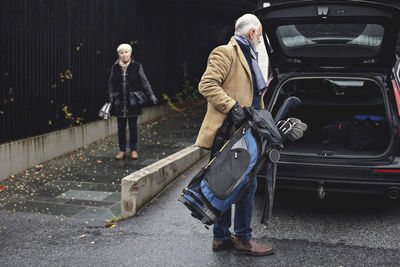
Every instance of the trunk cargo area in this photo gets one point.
(345, 117)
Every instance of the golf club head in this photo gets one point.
(292, 128)
(298, 123)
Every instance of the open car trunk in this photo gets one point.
(345, 117)
(336, 35)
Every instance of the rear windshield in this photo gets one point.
(369, 35)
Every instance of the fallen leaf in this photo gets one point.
(99, 161)
(111, 224)
(82, 236)
(39, 167)
(3, 188)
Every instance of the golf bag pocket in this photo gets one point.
(222, 178)
(229, 173)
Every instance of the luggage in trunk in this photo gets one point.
(344, 116)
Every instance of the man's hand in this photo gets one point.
(153, 99)
(238, 115)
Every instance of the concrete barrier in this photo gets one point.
(19, 155)
(141, 186)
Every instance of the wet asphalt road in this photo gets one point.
(343, 230)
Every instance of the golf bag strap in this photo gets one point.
(223, 134)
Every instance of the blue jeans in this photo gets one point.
(133, 135)
(243, 214)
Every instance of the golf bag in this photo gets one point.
(251, 148)
(229, 173)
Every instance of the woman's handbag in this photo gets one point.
(140, 97)
(104, 112)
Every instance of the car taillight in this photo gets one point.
(397, 95)
(268, 82)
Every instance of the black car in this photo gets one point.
(339, 59)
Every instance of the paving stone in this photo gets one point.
(84, 195)
(77, 178)
(89, 203)
(116, 210)
(69, 185)
(107, 179)
(13, 199)
(50, 192)
(47, 199)
(47, 208)
(114, 197)
(95, 214)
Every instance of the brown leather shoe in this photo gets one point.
(251, 247)
(120, 155)
(134, 155)
(221, 245)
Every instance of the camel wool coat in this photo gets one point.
(226, 80)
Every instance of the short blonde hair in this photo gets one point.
(124, 47)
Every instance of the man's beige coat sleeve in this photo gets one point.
(210, 86)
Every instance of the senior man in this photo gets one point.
(231, 81)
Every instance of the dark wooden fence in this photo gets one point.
(55, 56)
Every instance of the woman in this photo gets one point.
(127, 76)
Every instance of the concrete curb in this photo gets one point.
(140, 187)
(17, 156)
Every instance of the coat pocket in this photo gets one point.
(132, 100)
(116, 99)
(140, 97)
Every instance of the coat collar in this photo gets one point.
(116, 64)
(242, 59)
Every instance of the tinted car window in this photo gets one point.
(369, 35)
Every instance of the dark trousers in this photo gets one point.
(133, 135)
(242, 220)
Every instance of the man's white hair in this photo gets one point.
(124, 47)
(246, 23)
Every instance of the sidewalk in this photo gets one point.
(86, 182)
